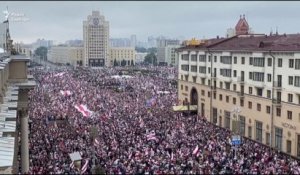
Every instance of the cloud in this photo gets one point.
(62, 21)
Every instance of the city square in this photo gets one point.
(103, 97)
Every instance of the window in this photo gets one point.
(194, 58)
(209, 70)
(185, 67)
(221, 85)
(250, 132)
(208, 93)
(258, 76)
(225, 72)
(250, 90)
(251, 61)
(181, 87)
(297, 81)
(243, 60)
(215, 95)
(259, 131)
(234, 87)
(288, 146)
(297, 64)
(215, 59)
(241, 102)
(227, 98)
(258, 107)
(278, 112)
(242, 125)
(291, 63)
(202, 69)
(186, 77)
(194, 79)
(291, 80)
(227, 85)
(202, 58)
(203, 81)
(249, 104)
(227, 119)
(185, 57)
(290, 98)
(259, 62)
(279, 62)
(208, 82)
(235, 60)
(269, 78)
(220, 97)
(234, 73)
(269, 93)
(290, 115)
(259, 92)
(268, 109)
(278, 138)
(202, 92)
(234, 100)
(269, 62)
(226, 59)
(193, 68)
(250, 75)
(186, 88)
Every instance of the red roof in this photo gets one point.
(242, 26)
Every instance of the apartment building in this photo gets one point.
(166, 51)
(65, 54)
(96, 40)
(260, 74)
(125, 54)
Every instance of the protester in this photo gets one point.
(130, 128)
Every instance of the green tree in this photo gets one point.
(140, 49)
(42, 52)
(152, 49)
(150, 58)
(115, 63)
(123, 63)
(132, 63)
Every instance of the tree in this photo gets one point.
(140, 49)
(132, 64)
(115, 63)
(152, 49)
(123, 63)
(41, 51)
(150, 58)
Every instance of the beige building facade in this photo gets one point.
(257, 74)
(122, 53)
(96, 40)
(65, 54)
(15, 84)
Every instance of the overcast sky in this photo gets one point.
(61, 21)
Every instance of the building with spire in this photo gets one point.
(241, 28)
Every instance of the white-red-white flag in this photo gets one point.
(59, 74)
(65, 93)
(96, 142)
(196, 150)
(84, 168)
(84, 110)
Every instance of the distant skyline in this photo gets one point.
(62, 21)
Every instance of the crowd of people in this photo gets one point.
(132, 131)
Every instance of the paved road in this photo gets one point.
(45, 63)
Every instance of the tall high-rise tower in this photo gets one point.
(95, 40)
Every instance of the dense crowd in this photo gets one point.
(132, 131)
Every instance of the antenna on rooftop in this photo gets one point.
(276, 30)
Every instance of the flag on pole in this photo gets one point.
(96, 142)
(84, 110)
(84, 168)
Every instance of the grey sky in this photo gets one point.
(61, 21)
